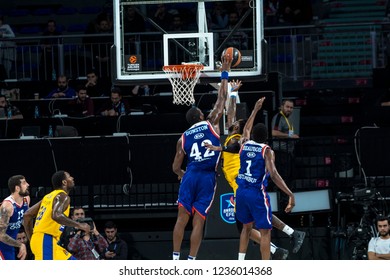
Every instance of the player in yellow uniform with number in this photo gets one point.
(51, 215)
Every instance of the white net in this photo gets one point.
(183, 79)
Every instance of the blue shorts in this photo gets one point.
(45, 247)
(196, 192)
(7, 252)
(254, 205)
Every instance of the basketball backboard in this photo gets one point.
(151, 34)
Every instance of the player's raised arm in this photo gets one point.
(217, 112)
(231, 109)
(249, 124)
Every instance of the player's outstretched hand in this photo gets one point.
(226, 62)
(259, 103)
(22, 252)
(235, 85)
(212, 147)
(290, 205)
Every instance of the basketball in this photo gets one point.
(235, 54)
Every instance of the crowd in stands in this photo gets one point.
(171, 17)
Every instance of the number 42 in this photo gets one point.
(197, 154)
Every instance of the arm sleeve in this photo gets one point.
(232, 148)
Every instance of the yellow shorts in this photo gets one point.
(45, 247)
(231, 179)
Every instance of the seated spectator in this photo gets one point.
(101, 44)
(117, 247)
(6, 108)
(63, 90)
(88, 246)
(48, 66)
(140, 90)
(12, 94)
(271, 12)
(161, 17)
(114, 106)
(22, 237)
(241, 7)
(177, 24)
(83, 105)
(218, 16)
(7, 48)
(238, 39)
(95, 87)
(133, 23)
(296, 12)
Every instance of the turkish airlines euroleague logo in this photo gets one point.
(133, 63)
(133, 59)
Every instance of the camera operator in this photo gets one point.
(68, 232)
(379, 247)
(87, 246)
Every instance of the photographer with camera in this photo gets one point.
(68, 232)
(87, 246)
(379, 247)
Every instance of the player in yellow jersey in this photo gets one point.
(231, 164)
(51, 215)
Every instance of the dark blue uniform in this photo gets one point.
(15, 222)
(198, 184)
(252, 200)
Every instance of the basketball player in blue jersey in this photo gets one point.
(230, 162)
(198, 182)
(252, 200)
(51, 215)
(11, 216)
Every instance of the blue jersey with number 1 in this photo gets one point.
(252, 200)
(193, 140)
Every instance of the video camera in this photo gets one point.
(359, 195)
(89, 221)
(69, 232)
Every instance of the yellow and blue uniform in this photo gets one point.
(231, 164)
(47, 232)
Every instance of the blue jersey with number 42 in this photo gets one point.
(193, 144)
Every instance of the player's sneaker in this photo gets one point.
(297, 240)
(280, 254)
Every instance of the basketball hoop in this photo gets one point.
(183, 79)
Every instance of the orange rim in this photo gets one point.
(187, 71)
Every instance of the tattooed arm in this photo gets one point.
(6, 211)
